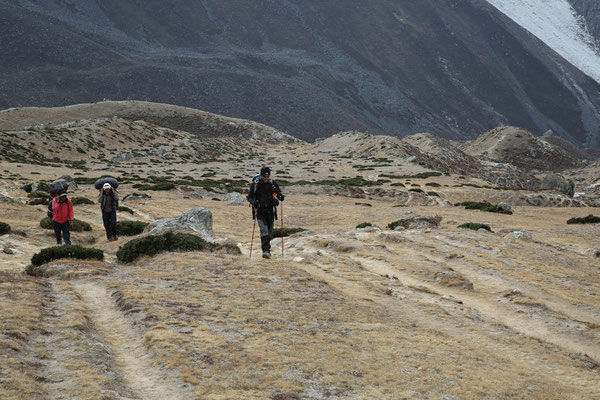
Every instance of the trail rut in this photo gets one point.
(133, 360)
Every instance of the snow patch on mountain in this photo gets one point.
(558, 25)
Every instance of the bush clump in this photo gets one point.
(131, 228)
(363, 225)
(78, 225)
(169, 241)
(590, 219)
(4, 228)
(38, 195)
(126, 209)
(475, 226)
(28, 188)
(416, 190)
(69, 251)
(483, 206)
(416, 222)
(156, 186)
(39, 202)
(81, 200)
(286, 232)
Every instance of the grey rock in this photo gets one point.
(6, 250)
(412, 159)
(198, 220)
(558, 183)
(504, 206)
(234, 198)
(519, 235)
(483, 230)
(534, 202)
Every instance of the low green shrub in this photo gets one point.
(43, 187)
(434, 194)
(415, 221)
(363, 225)
(81, 200)
(590, 219)
(475, 226)
(39, 202)
(78, 225)
(417, 190)
(156, 186)
(483, 206)
(400, 184)
(58, 252)
(286, 232)
(131, 228)
(38, 195)
(4, 228)
(169, 241)
(433, 184)
(28, 188)
(135, 196)
(126, 209)
(422, 175)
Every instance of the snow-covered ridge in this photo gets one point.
(558, 25)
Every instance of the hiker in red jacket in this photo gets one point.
(62, 217)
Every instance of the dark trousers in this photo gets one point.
(265, 223)
(110, 223)
(64, 230)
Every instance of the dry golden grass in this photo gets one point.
(361, 316)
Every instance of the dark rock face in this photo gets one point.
(311, 68)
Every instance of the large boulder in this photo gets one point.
(235, 198)
(558, 183)
(198, 220)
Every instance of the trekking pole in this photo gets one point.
(281, 229)
(253, 228)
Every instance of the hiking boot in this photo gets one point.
(266, 254)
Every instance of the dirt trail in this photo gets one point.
(492, 309)
(403, 311)
(128, 350)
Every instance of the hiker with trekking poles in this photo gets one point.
(264, 197)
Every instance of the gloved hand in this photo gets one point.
(280, 196)
(253, 203)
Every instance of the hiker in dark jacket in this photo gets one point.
(62, 217)
(264, 196)
(109, 204)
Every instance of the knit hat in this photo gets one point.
(63, 194)
(107, 186)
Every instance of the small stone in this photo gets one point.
(6, 250)
(534, 202)
(298, 259)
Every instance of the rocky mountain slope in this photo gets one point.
(308, 68)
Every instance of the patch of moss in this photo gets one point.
(475, 226)
(169, 241)
(39, 202)
(483, 206)
(39, 195)
(131, 228)
(590, 219)
(126, 209)
(286, 232)
(4, 228)
(58, 252)
(81, 200)
(363, 225)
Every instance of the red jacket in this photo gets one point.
(62, 212)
